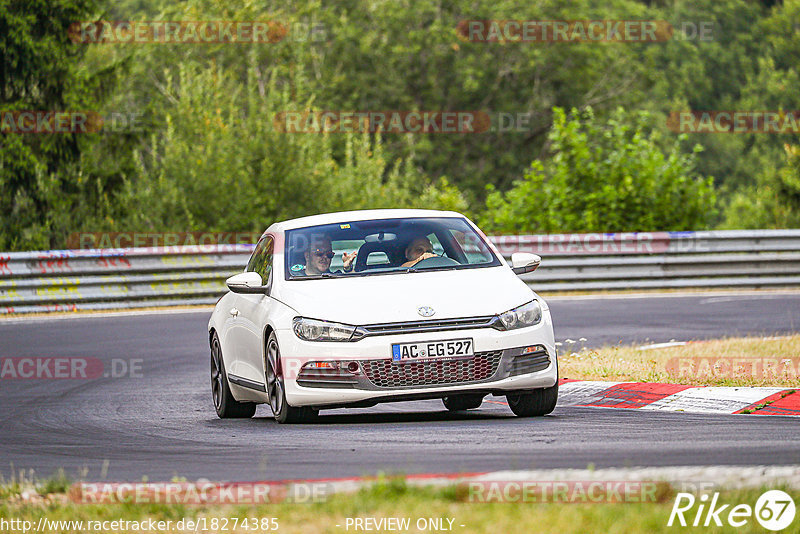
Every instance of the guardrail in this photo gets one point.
(64, 280)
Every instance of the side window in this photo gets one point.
(475, 251)
(438, 249)
(261, 260)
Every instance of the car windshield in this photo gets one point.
(384, 246)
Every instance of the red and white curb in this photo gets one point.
(680, 398)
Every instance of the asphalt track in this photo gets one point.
(161, 424)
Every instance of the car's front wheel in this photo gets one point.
(276, 390)
(224, 403)
(457, 403)
(533, 403)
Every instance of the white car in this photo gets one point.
(355, 308)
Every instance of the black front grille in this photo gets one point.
(386, 374)
(530, 363)
(326, 378)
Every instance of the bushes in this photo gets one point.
(208, 158)
(219, 164)
(604, 176)
(774, 202)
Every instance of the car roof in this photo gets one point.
(360, 215)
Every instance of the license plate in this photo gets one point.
(432, 350)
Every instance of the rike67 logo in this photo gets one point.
(774, 510)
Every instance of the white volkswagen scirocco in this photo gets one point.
(356, 308)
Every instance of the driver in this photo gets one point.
(319, 255)
(419, 249)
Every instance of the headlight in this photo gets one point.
(313, 330)
(526, 315)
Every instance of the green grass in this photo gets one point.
(394, 498)
(777, 363)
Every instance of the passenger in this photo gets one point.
(419, 249)
(319, 255)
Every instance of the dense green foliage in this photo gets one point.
(601, 176)
(205, 154)
(219, 164)
(39, 71)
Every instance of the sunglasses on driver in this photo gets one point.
(323, 253)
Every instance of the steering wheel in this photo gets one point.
(437, 261)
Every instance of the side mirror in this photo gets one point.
(524, 262)
(248, 283)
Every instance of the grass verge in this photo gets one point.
(391, 498)
(724, 362)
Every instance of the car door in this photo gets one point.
(251, 312)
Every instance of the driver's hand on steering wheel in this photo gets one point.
(424, 256)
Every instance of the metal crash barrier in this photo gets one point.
(72, 280)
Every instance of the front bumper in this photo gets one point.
(498, 366)
(383, 375)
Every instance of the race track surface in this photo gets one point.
(162, 424)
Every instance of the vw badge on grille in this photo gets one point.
(425, 311)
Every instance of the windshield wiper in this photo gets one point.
(319, 276)
(440, 268)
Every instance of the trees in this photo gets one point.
(411, 56)
(39, 71)
(774, 200)
(207, 147)
(604, 175)
(770, 197)
(220, 164)
(208, 156)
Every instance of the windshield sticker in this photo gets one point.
(344, 226)
(297, 267)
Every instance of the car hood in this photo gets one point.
(361, 300)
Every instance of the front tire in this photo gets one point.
(534, 403)
(276, 390)
(457, 403)
(226, 406)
